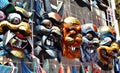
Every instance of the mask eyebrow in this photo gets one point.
(25, 19)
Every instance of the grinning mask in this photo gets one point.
(108, 47)
(72, 38)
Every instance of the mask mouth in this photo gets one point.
(16, 43)
(107, 56)
(90, 51)
(48, 48)
(74, 48)
(74, 41)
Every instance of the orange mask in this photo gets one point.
(72, 38)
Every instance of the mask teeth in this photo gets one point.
(8, 36)
(30, 41)
(72, 48)
(19, 43)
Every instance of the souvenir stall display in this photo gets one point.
(44, 36)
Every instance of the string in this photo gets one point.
(37, 66)
(34, 69)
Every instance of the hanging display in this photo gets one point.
(41, 34)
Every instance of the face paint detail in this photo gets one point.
(14, 18)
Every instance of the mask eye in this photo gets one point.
(14, 18)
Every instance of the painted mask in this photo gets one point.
(50, 35)
(16, 30)
(108, 47)
(90, 42)
(72, 38)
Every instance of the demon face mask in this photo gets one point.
(90, 42)
(15, 27)
(108, 47)
(72, 38)
(49, 42)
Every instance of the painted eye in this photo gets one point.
(14, 18)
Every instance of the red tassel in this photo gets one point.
(61, 69)
(68, 69)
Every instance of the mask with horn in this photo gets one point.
(15, 27)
